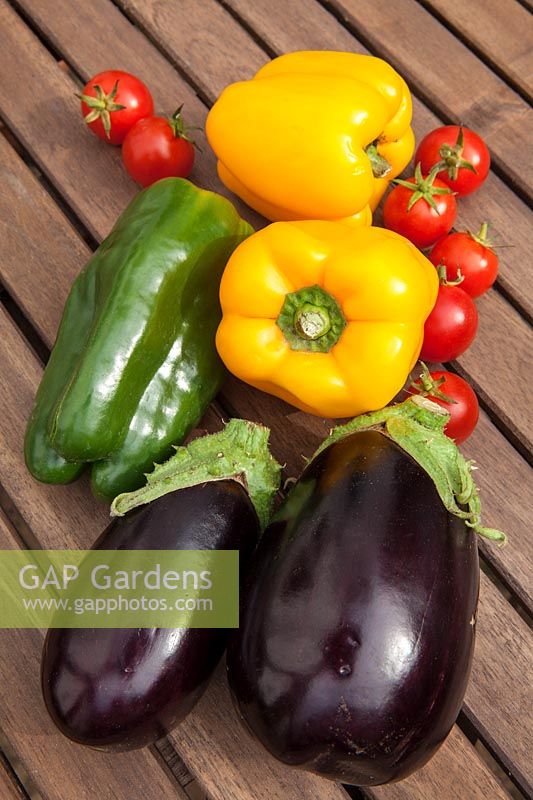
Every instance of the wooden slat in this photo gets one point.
(41, 248)
(500, 29)
(447, 776)
(304, 24)
(59, 239)
(437, 64)
(211, 741)
(10, 788)
(500, 691)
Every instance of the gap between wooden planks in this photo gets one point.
(49, 219)
(104, 191)
(303, 24)
(10, 788)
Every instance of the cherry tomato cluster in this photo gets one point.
(118, 108)
(450, 161)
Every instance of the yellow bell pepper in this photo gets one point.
(326, 316)
(314, 135)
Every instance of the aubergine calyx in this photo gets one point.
(239, 452)
(417, 426)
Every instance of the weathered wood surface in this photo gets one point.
(446, 779)
(10, 788)
(198, 49)
(500, 30)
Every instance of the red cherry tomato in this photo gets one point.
(443, 387)
(157, 148)
(472, 255)
(112, 102)
(462, 154)
(421, 209)
(451, 327)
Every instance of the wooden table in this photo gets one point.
(62, 189)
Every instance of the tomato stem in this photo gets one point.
(180, 129)
(427, 385)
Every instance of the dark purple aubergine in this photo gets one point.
(118, 689)
(124, 688)
(358, 618)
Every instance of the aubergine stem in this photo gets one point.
(239, 452)
(417, 426)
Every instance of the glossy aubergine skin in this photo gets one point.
(117, 689)
(358, 615)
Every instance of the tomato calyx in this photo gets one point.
(180, 129)
(451, 158)
(101, 106)
(426, 385)
(380, 165)
(423, 188)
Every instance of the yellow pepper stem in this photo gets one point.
(380, 165)
(311, 319)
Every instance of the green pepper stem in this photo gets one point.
(311, 319)
(239, 452)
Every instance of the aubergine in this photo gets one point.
(118, 689)
(358, 611)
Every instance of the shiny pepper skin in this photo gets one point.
(295, 141)
(326, 316)
(134, 365)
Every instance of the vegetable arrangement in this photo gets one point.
(359, 605)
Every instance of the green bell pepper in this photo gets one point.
(134, 365)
